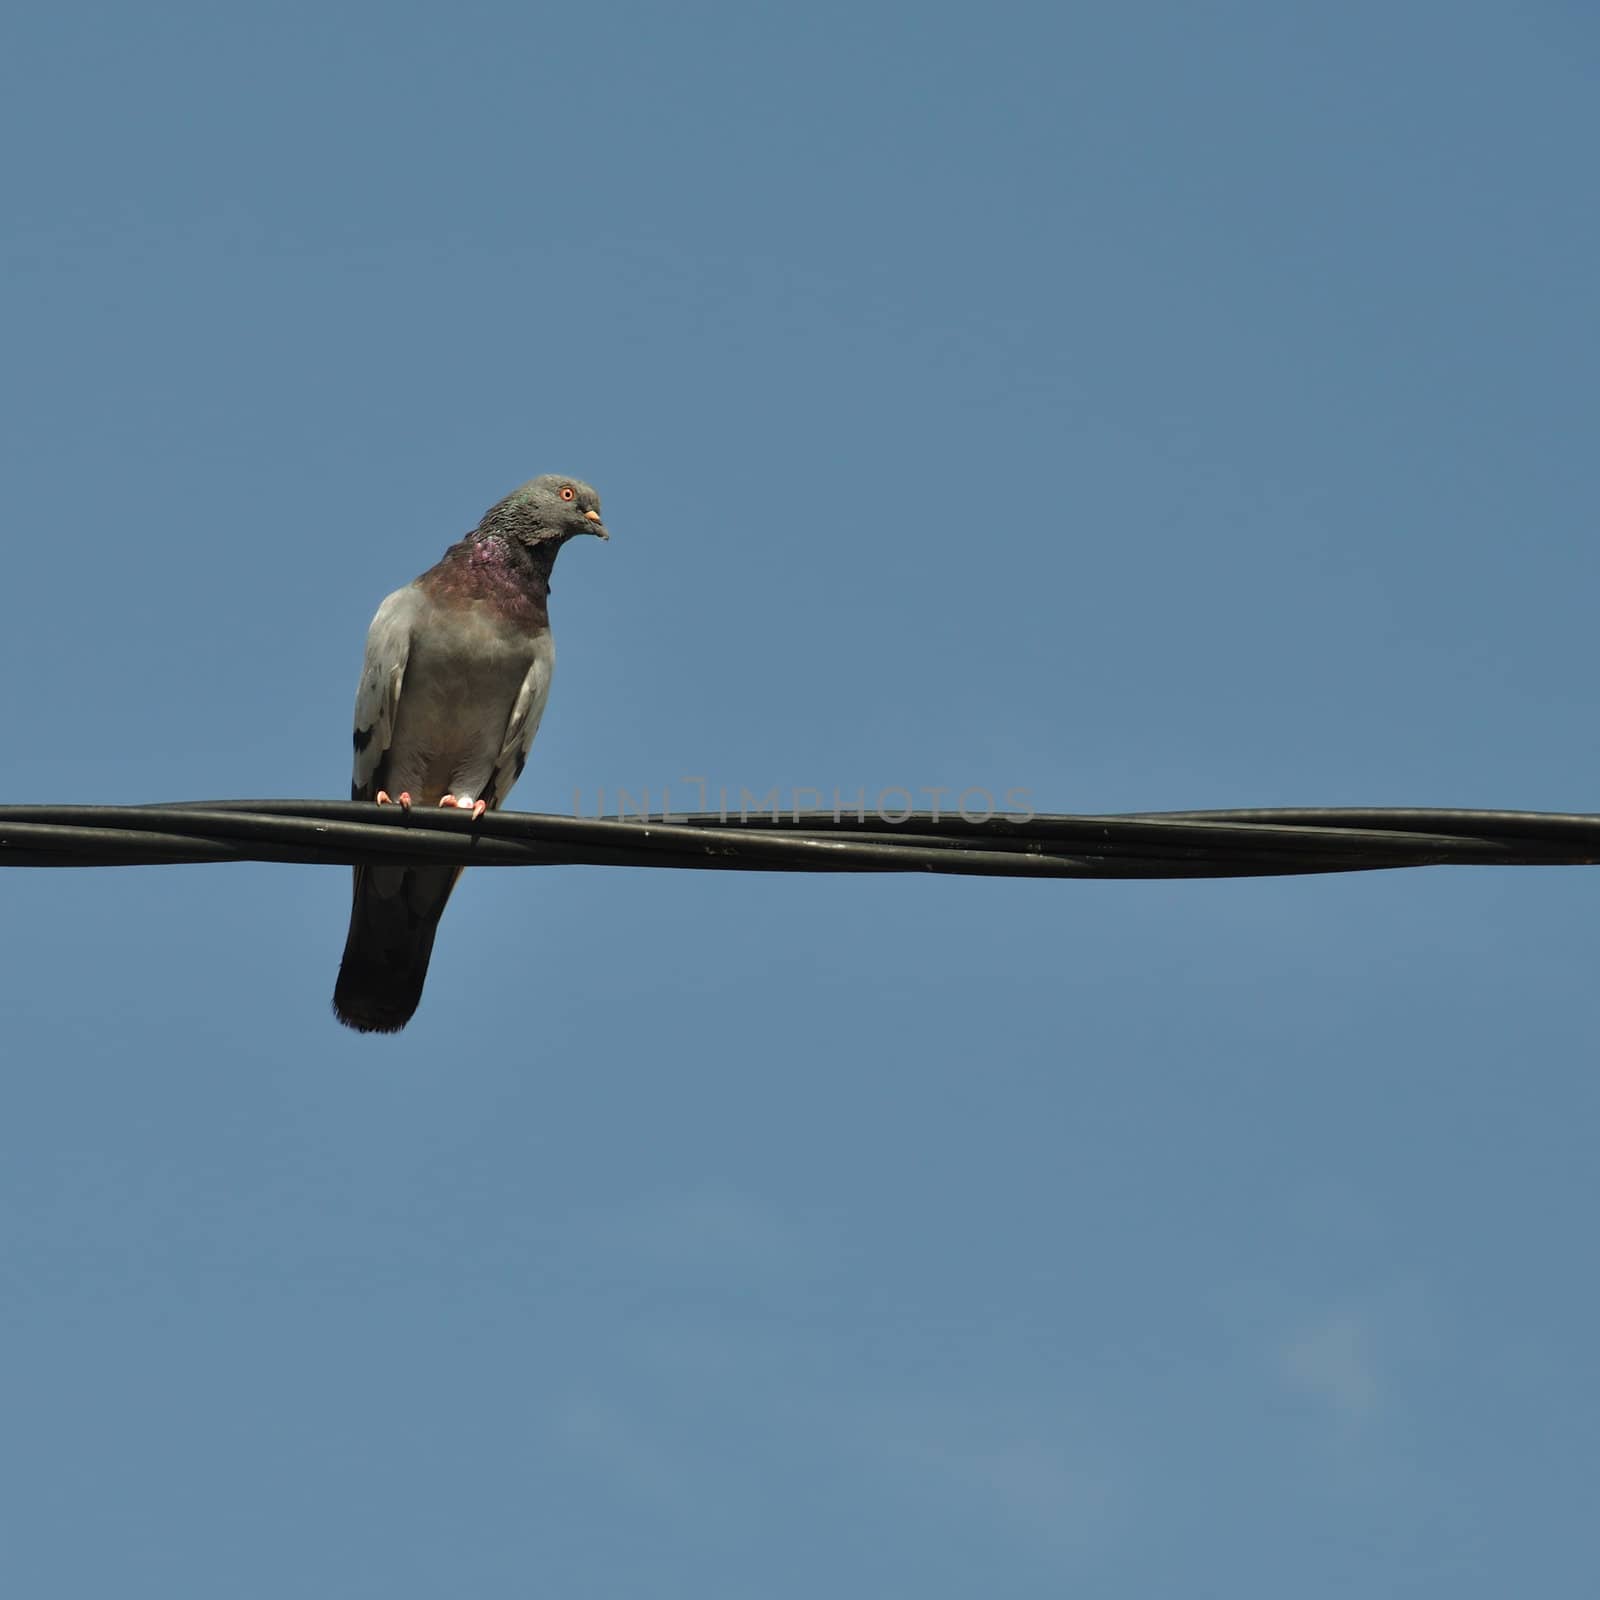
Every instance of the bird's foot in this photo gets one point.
(478, 806)
(404, 801)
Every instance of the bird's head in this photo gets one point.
(547, 511)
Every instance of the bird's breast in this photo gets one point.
(461, 683)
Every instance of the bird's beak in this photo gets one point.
(599, 528)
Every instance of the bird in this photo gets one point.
(453, 684)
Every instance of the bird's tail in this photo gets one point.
(394, 915)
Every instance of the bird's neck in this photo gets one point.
(496, 570)
(505, 557)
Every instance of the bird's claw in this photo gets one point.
(404, 801)
(478, 806)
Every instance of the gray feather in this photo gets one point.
(378, 693)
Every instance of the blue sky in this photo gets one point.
(1151, 407)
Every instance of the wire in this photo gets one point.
(1173, 844)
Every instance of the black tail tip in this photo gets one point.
(366, 1018)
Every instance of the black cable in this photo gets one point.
(1174, 844)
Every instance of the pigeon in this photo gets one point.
(455, 679)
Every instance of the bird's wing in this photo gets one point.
(378, 693)
(526, 711)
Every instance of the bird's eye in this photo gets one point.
(568, 492)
